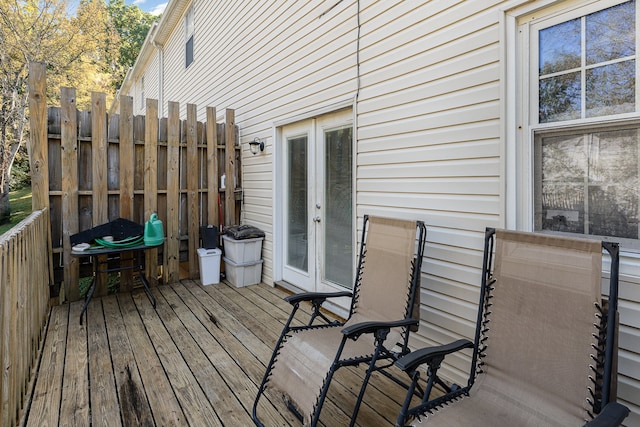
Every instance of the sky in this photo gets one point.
(155, 7)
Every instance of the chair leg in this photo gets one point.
(402, 416)
(327, 382)
(265, 379)
(367, 376)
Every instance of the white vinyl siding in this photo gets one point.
(429, 125)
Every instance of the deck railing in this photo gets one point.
(24, 305)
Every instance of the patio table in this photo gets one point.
(99, 263)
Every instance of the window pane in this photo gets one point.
(559, 98)
(559, 47)
(297, 204)
(189, 52)
(564, 159)
(338, 239)
(562, 208)
(588, 183)
(610, 33)
(613, 201)
(611, 89)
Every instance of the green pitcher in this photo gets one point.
(153, 232)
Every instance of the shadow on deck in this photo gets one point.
(196, 360)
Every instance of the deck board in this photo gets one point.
(197, 359)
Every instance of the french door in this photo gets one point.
(317, 203)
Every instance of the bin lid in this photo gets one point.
(202, 252)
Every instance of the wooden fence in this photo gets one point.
(24, 305)
(101, 167)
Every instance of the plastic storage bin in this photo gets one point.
(242, 251)
(209, 266)
(243, 274)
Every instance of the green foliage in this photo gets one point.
(21, 207)
(132, 26)
(20, 173)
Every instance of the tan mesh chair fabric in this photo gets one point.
(540, 335)
(383, 294)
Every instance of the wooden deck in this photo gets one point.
(196, 360)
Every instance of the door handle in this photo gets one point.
(316, 219)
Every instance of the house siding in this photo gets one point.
(428, 124)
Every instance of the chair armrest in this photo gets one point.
(312, 296)
(357, 329)
(611, 415)
(412, 360)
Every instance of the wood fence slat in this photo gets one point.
(192, 188)
(99, 157)
(151, 182)
(212, 168)
(69, 158)
(99, 171)
(172, 272)
(38, 141)
(127, 165)
(230, 163)
(6, 391)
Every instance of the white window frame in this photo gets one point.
(520, 109)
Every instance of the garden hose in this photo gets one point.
(129, 242)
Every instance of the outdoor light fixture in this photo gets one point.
(256, 146)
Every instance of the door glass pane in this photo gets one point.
(338, 234)
(297, 215)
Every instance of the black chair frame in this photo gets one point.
(605, 411)
(380, 330)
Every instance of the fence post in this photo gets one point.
(151, 181)
(172, 270)
(38, 142)
(192, 188)
(100, 205)
(126, 153)
(212, 167)
(230, 162)
(38, 148)
(69, 158)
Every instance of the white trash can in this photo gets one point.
(209, 266)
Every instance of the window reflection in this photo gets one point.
(598, 82)
(588, 183)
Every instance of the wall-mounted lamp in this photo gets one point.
(256, 146)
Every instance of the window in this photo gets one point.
(189, 32)
(583, 118)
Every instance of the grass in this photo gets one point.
(20, 207)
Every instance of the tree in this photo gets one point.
(132, 25)
(75, 50)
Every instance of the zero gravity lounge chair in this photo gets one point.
(381, 315)
(545, 347)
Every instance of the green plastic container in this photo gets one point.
(153, 232)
